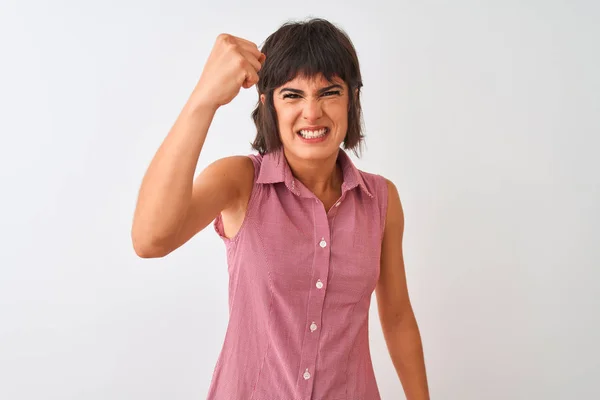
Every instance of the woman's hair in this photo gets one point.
(307, 49)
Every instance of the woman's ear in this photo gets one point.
(262, 99)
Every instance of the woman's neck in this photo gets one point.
(322, 177)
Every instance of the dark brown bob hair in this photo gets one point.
(306, 49)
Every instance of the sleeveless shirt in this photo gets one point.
(300, 286)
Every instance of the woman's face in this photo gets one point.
(312, 115)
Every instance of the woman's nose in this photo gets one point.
(312, 110)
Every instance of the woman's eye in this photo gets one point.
(296, 96)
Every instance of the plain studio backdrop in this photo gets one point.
(484, 114)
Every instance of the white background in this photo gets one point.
(484, 114)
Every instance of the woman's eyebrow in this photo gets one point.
(301, 92)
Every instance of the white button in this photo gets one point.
(313, 327)
(323, 243)
(319, 284)
(306, 374)
(337, 204)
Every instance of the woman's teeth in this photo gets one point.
(313, 134)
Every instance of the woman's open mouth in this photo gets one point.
(313, 136)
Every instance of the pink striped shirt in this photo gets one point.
(300, 286)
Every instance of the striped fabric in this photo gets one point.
(300, 286)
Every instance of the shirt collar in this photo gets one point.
(275, 169)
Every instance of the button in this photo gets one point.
(306, 374)
(319, 284)
(313, 327)
(323, 243)
(337, 204)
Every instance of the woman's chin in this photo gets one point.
(312, 152)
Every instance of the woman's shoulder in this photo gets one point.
(245, 165)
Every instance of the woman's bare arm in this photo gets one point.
(171, 206)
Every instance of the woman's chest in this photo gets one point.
(302, 245)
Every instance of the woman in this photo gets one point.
(309, 237)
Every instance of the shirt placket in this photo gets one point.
(316, 297)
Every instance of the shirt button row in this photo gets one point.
(313, 326)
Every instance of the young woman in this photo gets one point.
(309, 237)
